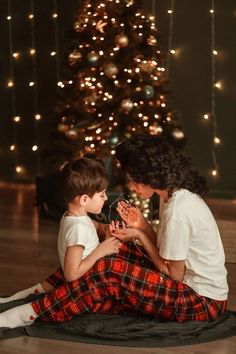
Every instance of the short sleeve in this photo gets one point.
(77, 235)
(173, 236)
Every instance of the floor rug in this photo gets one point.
(125, 330)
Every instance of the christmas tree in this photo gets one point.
(116, 85)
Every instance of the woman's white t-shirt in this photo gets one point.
(76, 230)
(188, 231)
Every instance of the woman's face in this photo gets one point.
(143, 191)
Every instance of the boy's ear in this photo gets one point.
(83, 199)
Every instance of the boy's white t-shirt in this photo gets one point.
(188, 231)
(76, 230)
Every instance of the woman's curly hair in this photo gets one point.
(153, 161)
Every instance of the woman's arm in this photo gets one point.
(175, 269)
(102, 230)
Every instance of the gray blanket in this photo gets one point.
(125, 330)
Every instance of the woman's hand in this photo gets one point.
(130, 215)
(124, 233)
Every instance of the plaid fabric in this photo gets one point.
(126, 282)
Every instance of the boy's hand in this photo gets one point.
(109, 246)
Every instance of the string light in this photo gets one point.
(214, 85)
(33, 84)
(10, 84)
(170, 50)
(56, 52)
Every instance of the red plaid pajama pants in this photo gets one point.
(125, 283)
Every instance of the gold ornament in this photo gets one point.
(122, 40)
(72, 134)
(110, 70)
(74, 57)
(151, 40)
(100, 26)
(178, 134)
(93, 57)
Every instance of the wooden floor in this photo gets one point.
(28, 254)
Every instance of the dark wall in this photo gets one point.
(190, 75)
(46, 73)
(190, 80)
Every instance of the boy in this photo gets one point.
(84, 184)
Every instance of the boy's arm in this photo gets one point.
(75, 267)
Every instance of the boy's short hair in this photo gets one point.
(83, 176)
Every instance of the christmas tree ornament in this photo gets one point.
(114, 139)
(72, 134)
(74, 57)
(122, 40)
(110, 70)
(93, 57)
(178, 133)
(155, 129)
(129, 2)
(127, 105)
(62, 128)
(100, 26)
(148, 91)
(151, 40)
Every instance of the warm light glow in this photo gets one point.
(19, 169)
(12, 147)
(16, 55)
(31, 83)
(31, 16)
(215, 52)
(37, 116)
(211, 11)
(216, 140)
(8, 18)
(173, 51)
(16, 119)
(55, 15)
(170, 11)
(214, 173)
(10, 83)
(34, 147)
(53, 53)
(32, 51)
(218, 85)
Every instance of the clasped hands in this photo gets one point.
(128, 229)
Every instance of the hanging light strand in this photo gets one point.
(215, 139)
(154, 8)
(11, 85)
(56, 53)
(37, 116)
(170, 36)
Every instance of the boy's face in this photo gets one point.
(94, 205)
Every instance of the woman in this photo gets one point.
(177, 275)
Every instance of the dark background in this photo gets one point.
(190, 76)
